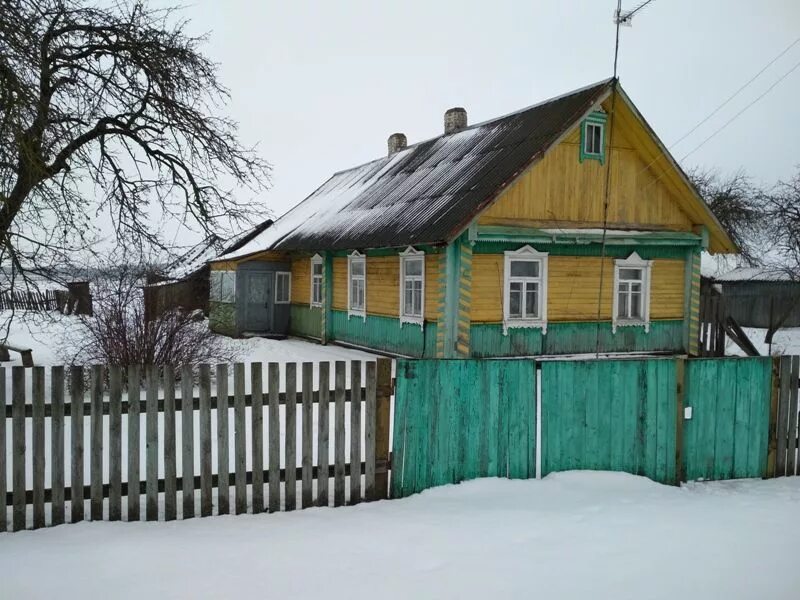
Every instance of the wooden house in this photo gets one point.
(563, 228)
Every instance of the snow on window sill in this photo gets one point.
(316, 304)
(362, 314)
(524, 324)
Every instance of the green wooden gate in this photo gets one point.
(461, 419)
(615, 415)
(727, 434)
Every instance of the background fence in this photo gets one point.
(321, 443)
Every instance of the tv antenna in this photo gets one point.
(625, 18)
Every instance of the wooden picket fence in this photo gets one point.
(786, 374)
(106, 406)
(39, 301)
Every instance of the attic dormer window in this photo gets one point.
(593, 137)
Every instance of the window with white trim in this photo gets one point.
(357, 285)
(593, 139)
(283, 287)
(631, 292)
(525, 289)
(412, 286)
(316, 280)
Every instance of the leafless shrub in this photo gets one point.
(119, 334)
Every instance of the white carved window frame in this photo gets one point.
(353, 259)
(411, 255)
(525, 254)
(634, 261)
(286, 276)
(316, 260)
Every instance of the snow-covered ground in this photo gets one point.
(47, 334)
(572, 535)
(785, 341)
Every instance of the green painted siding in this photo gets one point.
(460, 419)
(384, 333)
(222, 317)
(574, 338)
(612, 251)
(727, 436)
(610, 415)
(487, 340)
(306, 321)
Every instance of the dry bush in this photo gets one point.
(119, 334)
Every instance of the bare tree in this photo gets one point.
(783, 208)
(737, 203)
(111, 109)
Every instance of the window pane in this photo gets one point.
(515, 300)
(531, 302)
(524, 268)
(317, 268)
(418, 303)
(636, 306)
(635, 274)
(413, 267)
(316, 288)
(622, 308)
(357, 268)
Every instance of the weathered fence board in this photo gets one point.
(339, 431)
(355, 429)
(460, 419)
(157, 396)
(223, 460)
(727, 435)
(3, 451)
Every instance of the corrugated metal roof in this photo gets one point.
(429, 192)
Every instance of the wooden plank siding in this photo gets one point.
(301, 280)
(383, 285)
(572, 285)
(562, 191)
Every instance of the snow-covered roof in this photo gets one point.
(754, 274)
(429, 192)
(200, 255)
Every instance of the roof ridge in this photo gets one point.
(539, 104)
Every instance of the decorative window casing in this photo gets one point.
(223, 286)
(593, 137)
(525, 289)
(283, 287)
(317, 271)
(412, 287)
(357, 285)
(631, 305)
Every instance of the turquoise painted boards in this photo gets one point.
(461, 419)
(613, 415)
(727, 436)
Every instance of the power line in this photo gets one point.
(736, 93)
(725, 103)
(626, 18)
(738, 114)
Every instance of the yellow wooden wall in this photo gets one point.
(572, 286)
(561, 191)
(383, 285)
(301, 280)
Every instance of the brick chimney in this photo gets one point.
(455, 119)
(397, 142)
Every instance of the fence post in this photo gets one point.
(772, 440)
(383, 407)
(680, 388)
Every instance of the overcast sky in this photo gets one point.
(320, 85)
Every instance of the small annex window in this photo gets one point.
(593, 137)
(283, 287)
(412, 286)
(525, 289)
(357, 285)
(631, 303)
(316, 281)
(223, 286)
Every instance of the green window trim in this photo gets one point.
(596, 118)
